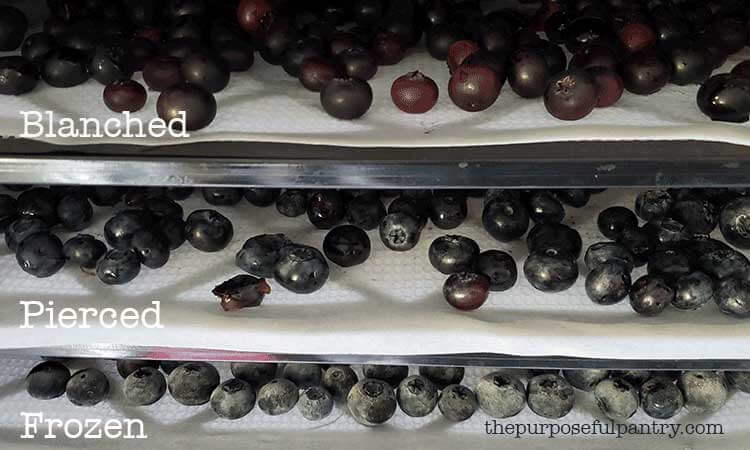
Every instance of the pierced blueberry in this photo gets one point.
(400, 231)
(603, 253)
(650, 205)
(118, 267)
(544, 207)
(505, 218)
(120, 229)
(84, 250)
(260, 254)
(301, 269)
(733, 297)
(40, 254)
(47, 380)
(192, 384)
(87, 387)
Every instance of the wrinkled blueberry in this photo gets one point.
(87, 387)
(47, 380)
(692, 291)
(257, 374)
(608, 284)
(661, 398)
(417, 396)
(724, 263)
(698, 215)
(191, 384)
(614, 219)
(585, 379)
(637, 240)
(457, 402)
(278, 396)
(616, 398)
(315, 403)
(241, 291)
(301, 269)
(667, 233)
(233, 399)
(400, 231)
(145, 386)
(208, 231)
(442, 376)
(41, 254)
(649, 295)
(338, 380)
(450, 254)
(653, 205)
(501, 395)
(260, 254)
(118, 267)
(705, 392)
(606, 253)
(550, 396)
(347, 246)
(733, 297)
(371, 402)
(550, 273)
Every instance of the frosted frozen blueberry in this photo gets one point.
(457, 402)
(338, 380)
(550, 396)
(417, 396)
(442, 376)
(608, 284)
(127, 366)
(661, 398)
(390, 374)
(192, 383)
(704, 391)
(87, 387)
(371, 402)
(649, 295)
(315, 403)
(303, 375)
(233, 399)
(634, 377)
(616, 398)
(585, 379)
(278, 396)
(257, 374)
(733, 297)
(692, 291)
(501, 395)
(47, 380)
(144, 386)
(603, 253)
(740, 380)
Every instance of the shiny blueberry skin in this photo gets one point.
(649, 295)
(39, 202)
(733, 297)
(163, 207)
(447, 209)
(400, 231)
(118, 267)
(41, 254)
(152, 248)
(450, 254)
(554, 239)
(613, 220)
(233, 399)
(499, 267)
(549, 273)
(347, 246)
(466, 290)
(208, 231)
(371, 402)
(544, 207)
(417, 396)
(222, 196)
(734, 222)
(698, 215)
(365, 212)
(667, 233)
(260, 254)
(669, 264)
(84, 250)
(654, 204)
(87, 387)
(120, 229)
(608, 284)
(145, 386)
(724, 263)
(603, 253)
(416, 208)
(326, 209)
(692, 291)
(292, 203)
(661, 398)
(505, 218)
(301, 269)
(47, 380)
(261, 197)
(21, 228)
(192, 384)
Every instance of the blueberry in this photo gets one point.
(106, 195)
(233, 399)
(554, 239)
(638, 242)
(338, 380)
(163, 208)
(326, 209)
(739, 380)
(84, 250)
(208, 231)
(734, 222)
(457, 402)
(550, 396)
(347, 246)
(450, 254)
(75, 212)
(145, 386)
(392, 375)
(417, 396)
(127, 366)
(365, 212)
(698, 215)
(616, 398)
(585, 379)
(442, 376)
(120, 229)
(47, 380)
(371, 402)
(692, 291)
(411, 206)
(614, 219)
(261, 196)
(257, 374)
(219, 196)
(544, 207)
(168, 366)
(466, 290)
(653, 205)
(41, 254)
(315, 403)
(733, 297)
(505, 218)
(399, 231)
(649, 295)
(241, 291)
(634, 377)
(260, 254)
(606, 253)
(667, 233)
(118, 267)
(292, 202)
(21, 228)
(550, 273)
(501, 395)
(705, 392)
(151, 247)
(669, 264)
(192, 384)
(39, 202)
(448, 209)
(702, 246)
(173, 230)
(7, 211)
(278, 396)
(301, 269)
(661, 398)
(577, 198)
(87, 387)
(499, 267)
(303, 375)
(608, 284)
(725, 263)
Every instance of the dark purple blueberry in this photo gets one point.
(110, 63)
(416, 208)
(358, 62)
(219, 196)
(186, 27)
(173, 230)
(733, 297)
(577, 198)
(474, 87)
(654, 204)
(238, 55)
(692, 291)
(613, 220)
(587, 30)
(197, 104)
(326, 209)
(206, 70)
(608, 283)
(292, 202)
(645, 73)
(594, 55)
(120, 229)
(544, 207)
(649, 295)
(448, 209)
(84, 250)
(208, 231)
(21, 228)
(301, 269)
(603, 253)
(39, 202)
(40, 254)
(256, 16)
(691, 64)
(730, 32)
(725, 98)
(505, 218)
(637, 36)
(554, 239)
(494, 62)
(414, 93)
(528, 73)
(75, 212)
(241, 291)
(571, 95)
(13, 26)
(261, 197)
(459, 51)
(669, 264)
(124, 95)
(347, 246)
(440, 39)
(278, 38)
(316, 71)
(298, 52)
(8, 211)
(17, 75)
(499, 267)
(181, 48)
(37, 46)
(162, 72)
(550, 273)
(698, 214)
(400, 231)
(346, 98)
(494, 36)
(65, 67)
(152, 248)
(260, 254)
(734, 222)
(365, 212)
(451, 254)
(466, 291)
(724, 263)
(609, 86)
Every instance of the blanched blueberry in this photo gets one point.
(208, 231)
(347, 246)
(371, 402)
(315, 403)
(417, 396)
(400, 231)
(260, 254)
(605, 253)
(653, 204)
(466, 290)
(39, 202)
(233, 399)
(457, 402)
(192, 383)
(278, 396)
(326, 209)
(118, 267)
(145, 386)
(87, 387)
(501, 395)
(734, 222)
(499, 267)
(649, 295)
(544, 207)
(585, 379)
(301, 269)
(554, 239)
(261, 196)
(614, 219)
(120, 229)
(40, 254)
(705, 392)
(450, 254)
(692, 291)
(257, 374)
(392, 375)
(365, 212)
(241, 291)
(127, 366)
(616, 398)
(303, 375)
(661, 398)
(447, 209)
(550, 396)
(608, 284)
(151, 247)
(733, 297)
(550, 273)
(21, 228)
(505, 218)
(338, 380)
(292, 203)
(442, 376)
(47, 380)
(219, 196)
(669, 264)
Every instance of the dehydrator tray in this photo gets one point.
(391, 306)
